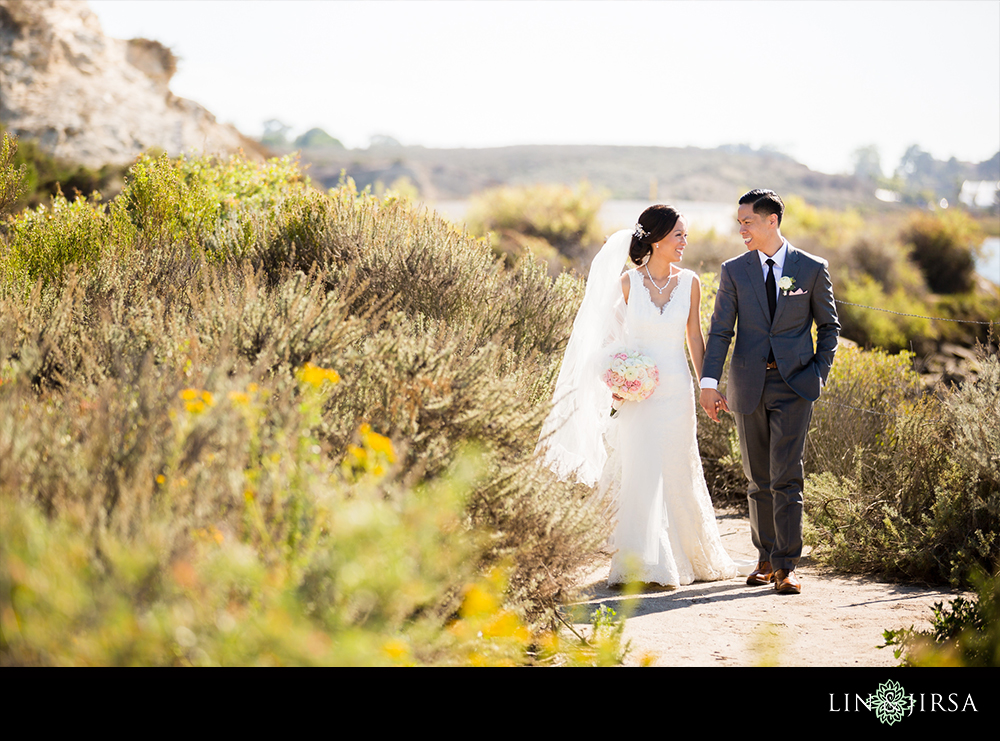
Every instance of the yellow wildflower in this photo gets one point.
(505, 624)
(548, 642)
(395, 649)
(316, 376)
(477, 602)
(647, 658)
(381, 444)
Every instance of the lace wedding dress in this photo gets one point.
(645, 457)
(665, 530)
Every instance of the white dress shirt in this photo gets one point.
(779, 263)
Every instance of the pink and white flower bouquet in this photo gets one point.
(631, 375)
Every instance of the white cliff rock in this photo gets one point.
(92, 99)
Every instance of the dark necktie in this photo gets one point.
(772, 298)
(772, 289)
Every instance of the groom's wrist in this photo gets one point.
(709, 383)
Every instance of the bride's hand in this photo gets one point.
(713, 402)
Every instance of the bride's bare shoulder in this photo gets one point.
(626, 284)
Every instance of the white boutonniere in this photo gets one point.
(786, 284)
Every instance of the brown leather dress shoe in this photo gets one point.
(762, 575)
(785, 582)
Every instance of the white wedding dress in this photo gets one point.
(665, 530)
(645, 457)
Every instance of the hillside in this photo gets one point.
(687, 173)
(94, 100)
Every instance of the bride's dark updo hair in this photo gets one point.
(656, 222)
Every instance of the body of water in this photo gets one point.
(988, 264)
(616, 215)
(701, 216)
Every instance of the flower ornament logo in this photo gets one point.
(890, 702)
(786, 284)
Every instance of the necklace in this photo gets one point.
(669, 278)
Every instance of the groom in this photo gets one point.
(774, 293)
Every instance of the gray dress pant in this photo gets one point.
(772, 441)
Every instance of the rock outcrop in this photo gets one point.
(91, 99)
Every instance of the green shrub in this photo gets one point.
(218, 208)
(44, 177)
(944, 245)
(822, 231)
(923, 498)
(963, 633)
(155, 409)
(853, 420)
(974, 312)
(554, 223)
(900, 324)
(12, 175)
(887, 262)
(43, 242)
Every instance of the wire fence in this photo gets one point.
(899, 313)
(917, 316)
(870, 411)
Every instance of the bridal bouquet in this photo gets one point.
(631, 375)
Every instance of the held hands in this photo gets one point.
(713, 402)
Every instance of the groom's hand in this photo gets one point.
(713, 402)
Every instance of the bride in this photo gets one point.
(645, 455)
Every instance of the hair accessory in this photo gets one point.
(639, 232)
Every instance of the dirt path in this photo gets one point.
(836, 621)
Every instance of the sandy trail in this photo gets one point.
(836, 621)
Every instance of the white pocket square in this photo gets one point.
(797, 292)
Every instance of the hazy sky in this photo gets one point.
(814, 79)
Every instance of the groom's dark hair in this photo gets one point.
(764, 202)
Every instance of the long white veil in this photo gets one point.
(572, 436)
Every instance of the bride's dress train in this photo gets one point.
(665, 530)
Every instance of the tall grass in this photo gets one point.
(244, 421)
(912, 489)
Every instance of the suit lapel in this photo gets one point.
(790, 269)
(756, 277)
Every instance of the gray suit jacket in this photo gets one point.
(741, 309)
